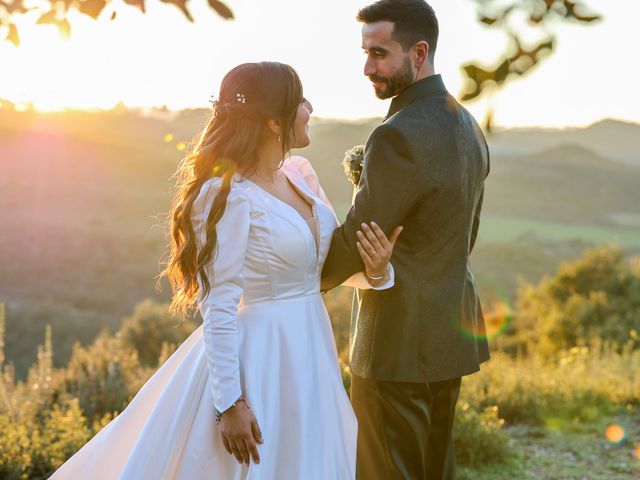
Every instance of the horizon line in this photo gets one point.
(163, 110)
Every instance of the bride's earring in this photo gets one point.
(279, 139)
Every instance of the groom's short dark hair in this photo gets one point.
(414, 20)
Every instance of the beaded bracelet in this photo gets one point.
(219, 413)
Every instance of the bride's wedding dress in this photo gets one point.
(266, 334)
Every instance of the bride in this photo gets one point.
(255, 392)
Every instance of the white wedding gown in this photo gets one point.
(266, 334)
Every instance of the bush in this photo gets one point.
(478, 436)
(577, 386)
(594, 298)
(149, 327)
(34, 449)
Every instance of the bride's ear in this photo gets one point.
(274, 126)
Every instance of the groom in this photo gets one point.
(425, 167)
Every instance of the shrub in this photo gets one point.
(149, 327)
(478, 436)
(594, 298)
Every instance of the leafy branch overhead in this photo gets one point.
(518, 59)
(55, 12)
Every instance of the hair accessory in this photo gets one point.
(241, 98)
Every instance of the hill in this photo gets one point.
(567, 183)
(613, 139)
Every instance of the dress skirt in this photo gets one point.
(291, 380)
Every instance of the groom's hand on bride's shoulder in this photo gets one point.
(376, 249)
(241, 433)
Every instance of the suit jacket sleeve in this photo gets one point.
(476, 215)
(389, 188)
(476, 221)
(303, 167)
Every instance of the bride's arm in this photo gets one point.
(219, 308)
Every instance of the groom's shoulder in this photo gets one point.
(428, 117)
(388, 132)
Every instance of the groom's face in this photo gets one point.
(388, 67)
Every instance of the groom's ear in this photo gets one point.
(420, 54)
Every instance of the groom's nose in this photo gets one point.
(369, 67)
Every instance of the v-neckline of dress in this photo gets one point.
(309, 199)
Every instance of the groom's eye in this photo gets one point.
(376, 52)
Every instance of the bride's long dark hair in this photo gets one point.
(250, 95)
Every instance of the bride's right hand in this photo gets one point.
(240, 433)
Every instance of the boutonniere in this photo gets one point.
(353, 162)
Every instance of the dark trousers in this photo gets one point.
(405, 429)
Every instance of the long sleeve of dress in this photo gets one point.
(225, 274)
(303, 167)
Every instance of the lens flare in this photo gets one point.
(496, 320)
(168, 137)
(181, 146)
(497, 311)
(615, 433)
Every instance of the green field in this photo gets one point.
(495, 229)
(500, 230)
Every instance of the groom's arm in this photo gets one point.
(476, 217)
(388, 189)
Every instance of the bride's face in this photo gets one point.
(301, 125)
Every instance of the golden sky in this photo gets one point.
(162, 59)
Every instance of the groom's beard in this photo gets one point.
(395, 84)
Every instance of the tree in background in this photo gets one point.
(55, 12)
(519, 18)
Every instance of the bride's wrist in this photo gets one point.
(219, 414)
(376, 275)
(378, 278)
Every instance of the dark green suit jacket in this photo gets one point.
(425, 168)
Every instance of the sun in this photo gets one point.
(51, 73)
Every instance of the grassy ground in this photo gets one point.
(495, 229)
(566, 450)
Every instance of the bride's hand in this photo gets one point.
(375, 249)
(240, 433)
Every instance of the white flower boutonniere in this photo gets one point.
(353, 163)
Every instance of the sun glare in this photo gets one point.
(49, 72)
(160, 59)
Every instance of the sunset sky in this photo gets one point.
(162, 59)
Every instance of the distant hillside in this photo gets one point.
(612, 139)
(567, 183)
